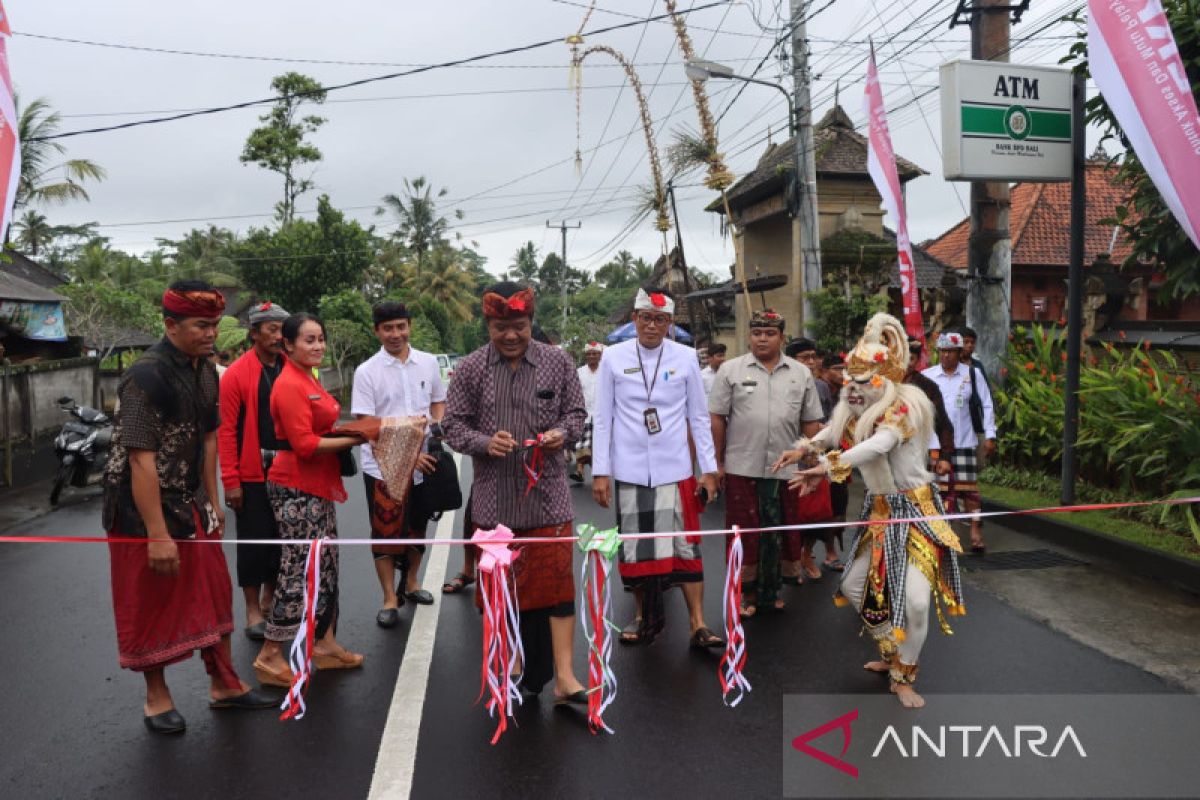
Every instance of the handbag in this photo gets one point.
(975, 404)
(438, 491)
(349, 467)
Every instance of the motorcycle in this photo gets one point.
(81, 446)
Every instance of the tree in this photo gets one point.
(617, 273)
(347, 342)
(104, 315)
(419, 225)
(279, 144)
(34, 232)
(42, 180)
(299, 263)
(1145, 220)
(524, 268)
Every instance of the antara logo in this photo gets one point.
(1016, 86)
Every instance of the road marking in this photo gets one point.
(397, 759)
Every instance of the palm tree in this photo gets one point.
(42, 180)
(34, 232)
(618, 273)
(524, 267)
(420, 226)
(447, 282)
(205, 254)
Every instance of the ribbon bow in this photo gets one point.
(599, 548)
(532, 465)
(502, 650)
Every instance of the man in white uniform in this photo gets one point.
(398, 381)
(960, 389)
(587, 379)
(649, 398)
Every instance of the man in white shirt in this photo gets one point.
(398, 381)
(716, 357)
(587, 379)
(954, 380)
(649, 397)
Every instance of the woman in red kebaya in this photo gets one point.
(304, 483)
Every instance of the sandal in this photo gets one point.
(746, 612)
(632, 633)
(457, 583)
(835, 566)
(342, 660)
(703, 638)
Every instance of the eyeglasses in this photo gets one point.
(658, 320)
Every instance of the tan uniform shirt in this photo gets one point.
(763, 410)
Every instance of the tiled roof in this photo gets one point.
(840, 152)
(1039, 223)
(930, 271)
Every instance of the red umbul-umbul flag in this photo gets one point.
(10, 148)
(1137, 67)
(881, 164)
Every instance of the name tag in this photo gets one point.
(314, 397)
(633, 370)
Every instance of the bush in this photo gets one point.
(1139, 420)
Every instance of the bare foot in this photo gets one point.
(567, 686)
(219, 692)
(880, 667)
(158, 705)
(907, 695)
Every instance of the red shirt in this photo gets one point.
(303, 411)
(241, 456)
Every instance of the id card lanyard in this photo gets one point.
(650, 415)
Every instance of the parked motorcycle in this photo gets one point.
(81, 446)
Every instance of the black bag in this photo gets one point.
(975, 404)
(439, 490)
(349, 466)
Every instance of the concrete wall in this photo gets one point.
(33, 391)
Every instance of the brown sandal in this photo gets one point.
(456, 584)
(343, 660)
(704, 638)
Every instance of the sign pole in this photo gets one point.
(1074, 289)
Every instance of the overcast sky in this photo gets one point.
(500, 135)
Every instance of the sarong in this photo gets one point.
(161, 619)
(391, 520)
(302, 516)
(763, 503)
(256, 563)
(965, 488)
(545, 587)
(583, 448)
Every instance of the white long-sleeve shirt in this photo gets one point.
(956, 391)
(587, 379)
(621, 446)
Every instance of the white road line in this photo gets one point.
(397, 759)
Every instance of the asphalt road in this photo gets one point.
(70, 718)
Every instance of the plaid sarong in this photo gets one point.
(966, 470)
(583, 448)
(646, 509)
(921, 502)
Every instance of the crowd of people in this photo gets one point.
(642, 415)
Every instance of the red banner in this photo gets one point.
(10, 148)
(881, 164)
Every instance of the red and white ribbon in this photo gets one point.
(733, 682)
(596, 580)
(502, 651)
(300, 656)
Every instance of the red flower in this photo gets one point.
(1064, 356)
(1146, 344)
(1121, 335)
(902, 409)
(1029, 366)
(879, 357)
(265, 306)
(1062, 321)
(516, 304)
(658, 300)
(1003, 371)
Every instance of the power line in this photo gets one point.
(373, 79)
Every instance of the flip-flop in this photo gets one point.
(457, 584)
(747, 612)
(579, 698)
(253, 698)
(631, 634)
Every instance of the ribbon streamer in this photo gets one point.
(599, 548)
(730, 671)
(502, 650)
(533, 464)
(300, 656)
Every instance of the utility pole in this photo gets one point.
(564, 227)
(989, 248)
(806, 229)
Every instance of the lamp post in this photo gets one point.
(699, 70)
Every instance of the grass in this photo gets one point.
(1168, 541)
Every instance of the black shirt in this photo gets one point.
(168, 404)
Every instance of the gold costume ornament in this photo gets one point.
(882, 351)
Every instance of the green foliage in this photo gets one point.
(1156, 236)
(841, 318)
(348, 304)
(348, 343)
(1139, 421)
(103, 314)
(43, 178)
(299, 263)
(279, 145)
(420, 226)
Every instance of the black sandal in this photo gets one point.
(632, 633)
(704, 638)
(456, 584)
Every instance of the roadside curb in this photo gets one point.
(1150, 563)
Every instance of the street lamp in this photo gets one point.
(698, 70)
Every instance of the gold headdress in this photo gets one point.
(882, 350)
